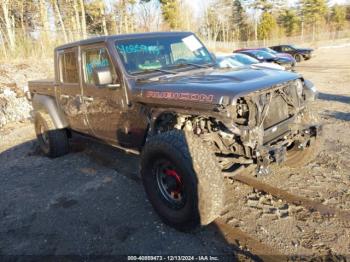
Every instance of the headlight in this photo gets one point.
(310, 91)
(299, 87)
(313, 89)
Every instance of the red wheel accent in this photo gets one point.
(176, 191)
(173, 173)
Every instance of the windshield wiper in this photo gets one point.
(160, 70)
(193, 64)
(156, 70)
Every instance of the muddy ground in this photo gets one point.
(92, 202)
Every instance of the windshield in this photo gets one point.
(295, 47)
(162, 53)
(262, 54)
(245, 59)
(269, 50)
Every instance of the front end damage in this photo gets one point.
(257, 128)
(266, 124)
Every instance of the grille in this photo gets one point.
(282, 106)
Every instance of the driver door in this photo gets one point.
(104, 103)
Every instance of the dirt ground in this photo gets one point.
(91, 202)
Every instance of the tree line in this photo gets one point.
(242, 20)
(29, 25)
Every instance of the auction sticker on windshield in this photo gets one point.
(192, 43)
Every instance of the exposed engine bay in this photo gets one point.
(263, 126)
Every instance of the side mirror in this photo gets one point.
(103, 78)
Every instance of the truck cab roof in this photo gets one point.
(100, 39)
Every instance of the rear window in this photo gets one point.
(69, 67)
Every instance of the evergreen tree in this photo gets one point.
(313, 13)
(267, 26)
(338, 17)
(171, 13)
(289, 21)
(239, 20)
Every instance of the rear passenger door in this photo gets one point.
(104, 103)
(69, 89)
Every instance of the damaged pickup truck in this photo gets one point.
(160, 95)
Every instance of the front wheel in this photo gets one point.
(182, 179)
(299, 58)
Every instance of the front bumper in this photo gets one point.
(275, 150)
(307, 56)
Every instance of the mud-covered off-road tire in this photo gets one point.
(201, 176)
(53, 142)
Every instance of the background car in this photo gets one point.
(241, 60)
(264, 56)
(271, 51)
(297, 52)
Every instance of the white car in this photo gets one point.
(242, 60)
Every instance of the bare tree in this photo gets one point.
(83, 18)
(9, 22)
(59, 17)
(77, 17)
(103, 18)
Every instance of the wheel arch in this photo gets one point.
(46, 104)
(158, 115)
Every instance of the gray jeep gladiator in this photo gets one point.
(160, 95)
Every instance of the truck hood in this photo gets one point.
(208, 86)
(269, 66)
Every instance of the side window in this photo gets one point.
(96, 58)
(287, 49)
(68, 67)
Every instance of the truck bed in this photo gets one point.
(44, 87)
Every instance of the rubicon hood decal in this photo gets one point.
(208, 87)
(180, 96)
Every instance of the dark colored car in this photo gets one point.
(271, 51)
(298, 53)
(160, 95)
(264, 56)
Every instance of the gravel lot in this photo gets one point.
(91, 202)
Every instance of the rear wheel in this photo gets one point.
(53, 142)
(182, 179)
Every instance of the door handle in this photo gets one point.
(64, 96)
(88, 98)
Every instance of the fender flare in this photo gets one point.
(47, 104)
